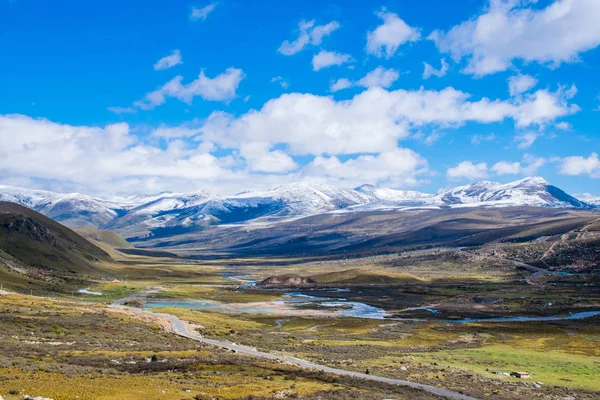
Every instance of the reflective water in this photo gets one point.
(87, 291)
(579, 315)
(345, 308)
(294, 301)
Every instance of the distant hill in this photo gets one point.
(109, 238)
(39, 250)
(172, 214)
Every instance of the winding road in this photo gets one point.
(180, 328)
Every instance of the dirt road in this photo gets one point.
(180, 328)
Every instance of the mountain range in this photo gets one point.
(172, 213)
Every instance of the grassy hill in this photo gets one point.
(38, 251)
(109, 238)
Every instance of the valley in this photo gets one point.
(392, 303)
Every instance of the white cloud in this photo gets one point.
(386, 38)
(509, 30)
(372, 121)
(190, 129)
(324, 59)
(526, 139)
(520, 84)
(97, 158)
(309, 34)
(477, 139)
(379, 77)
(202, 13)
(398, 165)
(468, 170)
(506, 168)
(544, 106)
(320, 31)
(113, 160)
(528, 166)
(282, 82)
(169, 61)
(121, 110)
(429, 70)
(223, 87)
(261, 159)
(340, 84)
(563, 126)
(577, 165)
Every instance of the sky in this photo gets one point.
(131, 97)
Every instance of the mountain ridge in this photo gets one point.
(177, 212)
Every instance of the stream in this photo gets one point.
(328, 301)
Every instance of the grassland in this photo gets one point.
(66, 350)
(562, 355)
(76, 347)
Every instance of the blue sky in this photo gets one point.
(131, 97)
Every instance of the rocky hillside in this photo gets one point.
(37, 247)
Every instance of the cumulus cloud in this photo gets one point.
(309, 34)
(169, 61)
(544, 106)
(261, 158)
(398, 165)
(467, 170)
(356, 136)
(340, 84)
(324, 59)
(97, 158)
(202, 13)
(189, 129)
(578, 165)
(506, 168)
(379, 77)
(223, 87)
(385, 40)
(520, 84)
(510, 30)
(372, 121)
(563, 126)
(431, 71)
(528, 166)
(114, 160)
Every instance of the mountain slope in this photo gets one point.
(40, 248)
(168, 214)
(74, 209)
(533, 191)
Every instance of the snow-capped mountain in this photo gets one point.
(387, 196)
(172, 213)
(72, 209)
(589, 198)
(305, 198)
(533, 191)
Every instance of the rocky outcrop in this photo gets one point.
(26, 397)
(31, 228)
(287, 281)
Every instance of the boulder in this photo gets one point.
(287, 281)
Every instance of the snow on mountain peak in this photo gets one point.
(142, 214)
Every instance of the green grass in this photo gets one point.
(550, 367)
